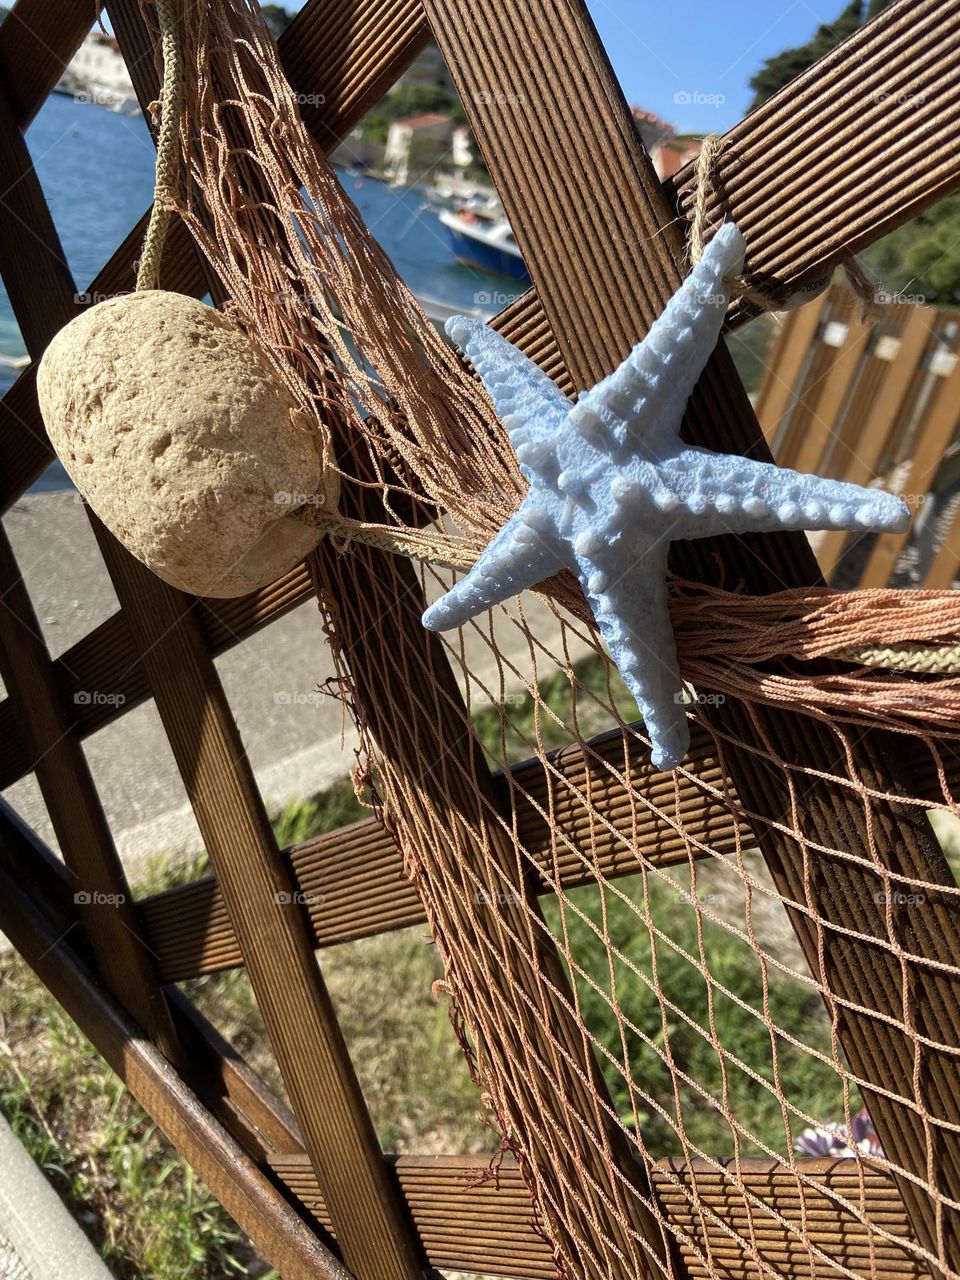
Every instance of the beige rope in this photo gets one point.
(432, 548)
(920, 658)
(164, 193)
(764, 299)
(706, 159)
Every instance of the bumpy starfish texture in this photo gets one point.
(612, 485)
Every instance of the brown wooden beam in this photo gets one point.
(372, 1231)
(434, 782)
(468, 1223)
(350, 877)
(32, 262)
(37, 40)
(76, 814)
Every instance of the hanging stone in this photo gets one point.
(184, 442)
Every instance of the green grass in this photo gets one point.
(139, 1203)
(510, 731)
(333, 808)
(809, 1083)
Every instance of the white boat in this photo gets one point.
(484, 241)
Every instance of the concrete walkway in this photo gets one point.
(292, 735)
(38, 1238)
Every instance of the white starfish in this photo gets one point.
(612, 485)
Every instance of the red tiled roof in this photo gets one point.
(432, 117)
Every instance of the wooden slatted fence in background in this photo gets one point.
(874, 402)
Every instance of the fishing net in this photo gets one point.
(712, 1012)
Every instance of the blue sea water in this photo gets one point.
(96, 169)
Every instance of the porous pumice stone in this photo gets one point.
(186, 445)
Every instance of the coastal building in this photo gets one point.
(419, 144)
(651, 128)
(98, 73)
(671, 154)
(668, 150)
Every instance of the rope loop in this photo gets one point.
(759, 296)
(168, 160)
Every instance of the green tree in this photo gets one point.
(410, 100)
(921, 259)
(277, 18)
(786, 66)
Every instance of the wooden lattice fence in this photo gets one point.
(826, 166)
(872, 401)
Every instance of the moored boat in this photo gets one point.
(484, 241)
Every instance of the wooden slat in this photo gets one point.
(462, 1225)
(106, 659)
(862, 408)
(858, 459)
(40, 290)
(795, 425)
(551, 120)
(352, 53)
(831, 398)
(468, 1224)
(812, 1215)
(311, 1054)
(75, 811)
(37, 40)
(936, 432)
(782, 383)
(258, 891)
(251, 1198)
(350, 878)
(226, 1085)
(433, 779)
(942, 572)
(32, 261)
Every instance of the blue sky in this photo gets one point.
(707, 49)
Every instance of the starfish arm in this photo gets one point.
(530, 405)
(518, 557)
(634, 620)
(645, 397)
(723, 493)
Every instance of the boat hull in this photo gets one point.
(487, 257)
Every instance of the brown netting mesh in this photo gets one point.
(662, 1051)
